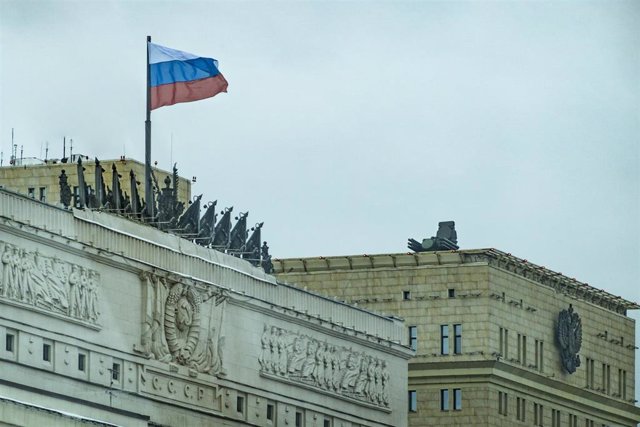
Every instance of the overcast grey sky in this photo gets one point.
(351, 126)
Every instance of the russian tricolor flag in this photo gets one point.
(177, 76)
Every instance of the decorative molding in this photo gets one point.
(295, 358)
(173, 315)
(50, 285)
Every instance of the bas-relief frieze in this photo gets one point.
(182, 324)
(47, 284)
(298, 358)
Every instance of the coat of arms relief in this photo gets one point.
(182, 324)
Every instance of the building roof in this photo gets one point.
(493, 257)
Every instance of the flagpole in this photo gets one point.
(148, 189)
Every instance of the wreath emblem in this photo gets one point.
(182, 322)
(569, 338)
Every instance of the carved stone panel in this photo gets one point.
(339, 370)
(182, 324)
(206, 396)
(47, 284)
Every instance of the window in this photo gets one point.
(115, 372)
(457, 343)
(573, 420)
(590, 375)
(299, 419)
(327, 422)
(82, 358)
(31, 192)
(413, 401)
(43, 194)
(588, 422)
(539, 349)
(624, 384)
(240, 404)
(46, 352)
(444, 339)
(457, 399)
(406, 295)
(504, 342)
(524, 350)
(444, 400)
(521, 409)
(538, 414)
(503, 400)
(555, 418)
(519, 347)
(606, 378)
(413, 337)
(452, 293)
(270, 409)
(9, 342)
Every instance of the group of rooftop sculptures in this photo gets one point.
(170, 213)
(446, 239)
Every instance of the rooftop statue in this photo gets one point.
(446, 239)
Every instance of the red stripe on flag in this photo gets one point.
(194, 90)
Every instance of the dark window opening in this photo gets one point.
(444, 400)
(46, 352)
(413, 401)
(269, 412)
(457, 344)
(457, 399)
(8, 342)
(413, 337)
(444, 339)
(115, 372)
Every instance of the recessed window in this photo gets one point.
(299, 419)
(457, 399)
(240, 404)
(413, 337)
(115, 372)
(327, 422)
(9, 342)
(457, 343)
(406, 295)
(452, 293)
(46, 352)
(444, 339)
(270, 409)
(31, 192)
(444, 400)
(503, 400)
(43, 194)
(82, 358)
(413, 401)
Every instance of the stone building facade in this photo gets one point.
(40, 180)
(108, 321)
(496, 336)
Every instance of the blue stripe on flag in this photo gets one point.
(183, 71)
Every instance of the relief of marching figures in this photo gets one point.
(48, 283)
(333, 368)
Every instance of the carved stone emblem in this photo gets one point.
(335, 369)
(182, 324)
(41, 283)
(569, 338)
